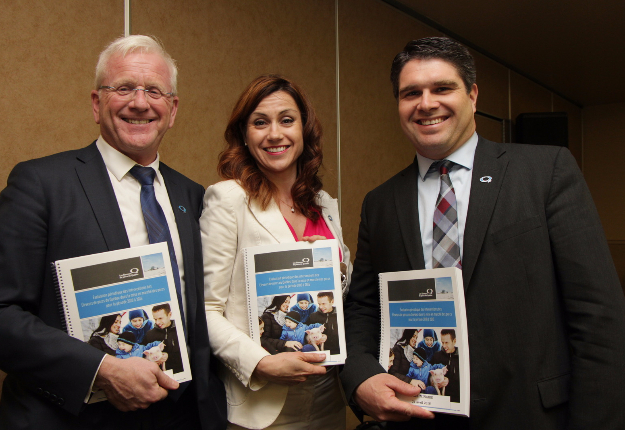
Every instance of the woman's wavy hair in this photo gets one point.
(236, 161)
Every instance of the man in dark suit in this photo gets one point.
(84, 202)
(545, 311)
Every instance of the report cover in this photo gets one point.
(295, 289)
(424, 339)
(124, 303)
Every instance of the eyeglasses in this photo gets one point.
(125, 90)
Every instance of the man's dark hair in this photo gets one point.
(328, 294)
(450, 331)
(162, 307)
(441, 48)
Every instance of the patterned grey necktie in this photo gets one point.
(445, 244)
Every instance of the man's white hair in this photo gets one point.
(135, 44)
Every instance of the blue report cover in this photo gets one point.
(424, 339)
(297, 288)
(114, 300)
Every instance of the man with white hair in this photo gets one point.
(88, 201)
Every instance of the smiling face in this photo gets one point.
(429, 341)
(325, 304)
(449, 344)
(135, 124)
(435, 110)
(285, 306)
(137, 322)
(162, 318)
(303, 304)
(116, 325)
(413, 339)
(274, 135)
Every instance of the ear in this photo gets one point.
(473, 97)
(146, 353)
(95, 105)
(174, 110)
(161, 346)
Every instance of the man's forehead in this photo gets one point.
(431, 70)
(138, 66)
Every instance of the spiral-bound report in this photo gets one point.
(296, 288)
(423, 339)
(124, 302)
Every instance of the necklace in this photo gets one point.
(291, 206)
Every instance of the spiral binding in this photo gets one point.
(251, 321)
(61, 298)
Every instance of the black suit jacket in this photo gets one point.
(545, 311)
(64, 206)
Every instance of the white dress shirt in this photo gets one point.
(429, 187)
(128, 193)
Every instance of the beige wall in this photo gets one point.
(47, 57)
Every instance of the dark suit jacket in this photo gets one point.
(64, 206)
(545, 311)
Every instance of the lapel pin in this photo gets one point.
(182, 208)
(486, 179)
(330, 217)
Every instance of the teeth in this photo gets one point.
(138, 121)
(276, 148)
(431, 121)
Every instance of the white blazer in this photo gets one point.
(229, 224)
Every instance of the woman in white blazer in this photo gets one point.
(271, 194)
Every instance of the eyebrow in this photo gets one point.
(444, 83)
(279, 113)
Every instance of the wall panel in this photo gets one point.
(220, 46)
(492, 85)
(373, 147)
(575, 126)
(47, 63)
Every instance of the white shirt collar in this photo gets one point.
(120, 164)
(463, 156)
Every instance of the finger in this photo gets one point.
(313, 358)
(402, 387)
(166, 382)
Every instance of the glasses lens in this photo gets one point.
(155, 93)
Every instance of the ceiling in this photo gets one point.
(576, 48)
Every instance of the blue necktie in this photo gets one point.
(156, 223)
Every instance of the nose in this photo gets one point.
(139, 99)
(428, 101)
(275, 133)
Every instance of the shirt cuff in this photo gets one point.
(88, 396)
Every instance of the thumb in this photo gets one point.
(401, 387)
(166, 381)
(313, 358)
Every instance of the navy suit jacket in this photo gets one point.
(545, 310)
(64, 206)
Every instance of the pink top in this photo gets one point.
(313, 228)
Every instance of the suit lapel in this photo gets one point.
(181, 206)
(267, 218)
(490, 162)
(96, 183)
(407, 209)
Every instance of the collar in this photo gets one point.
(119, 164)
(463, 156)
